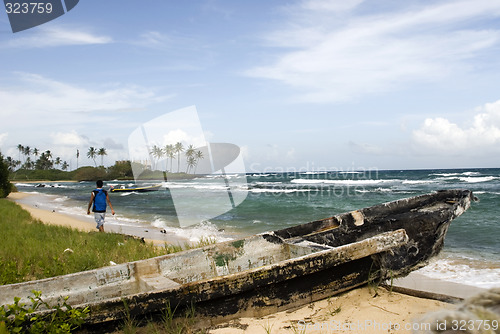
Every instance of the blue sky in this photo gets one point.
(307, 84)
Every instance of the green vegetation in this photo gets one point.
(33, 250)
(238, 243)
(121, 170)
(33, 158)
(93, 153)
(46, 175)
(36, 165)
(159, 175)
(5, 185)
(15, 318)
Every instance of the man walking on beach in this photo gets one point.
(99, 198)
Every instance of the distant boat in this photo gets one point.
(267, 272)
(136, 189)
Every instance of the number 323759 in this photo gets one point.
(28, 8)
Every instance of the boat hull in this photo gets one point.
(268, 272)
(137, 190)
(263, 289)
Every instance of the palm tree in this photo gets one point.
(178, 149)
(199, 156)
(44, 161)
(27, 151)
(48, 155)
(91, 154)
(28, 164)
(157, 154)
(64, 165)
(170, 153)
(77, 156)
(12, 164)
(57, 162)
(190, 152)
(36, 152)
(102, 152)
(191, 162)
(190, 159)
(20, 148)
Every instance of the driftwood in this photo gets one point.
(424, 294)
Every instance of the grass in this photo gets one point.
(268, 327)
(31, 250)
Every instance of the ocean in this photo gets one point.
(270, 201)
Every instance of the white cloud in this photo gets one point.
(356, 54)
(46, 101)
(178, 135)
(331, 6)
(65, 144)
(110, 143)
(481, 135)
(50, 114)
(55, 36)
(3, 136)
(172, 43)
(154, 39)
(71, 139)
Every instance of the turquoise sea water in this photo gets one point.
(277, 200)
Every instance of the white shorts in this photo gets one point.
(99, 218)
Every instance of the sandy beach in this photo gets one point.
(86, 223)
(362, 310)
(49, 217)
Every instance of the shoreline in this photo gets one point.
(85, 223)
(48, 217)
(40, 181)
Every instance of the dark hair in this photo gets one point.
(99, 184)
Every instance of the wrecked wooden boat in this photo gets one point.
(267, 272)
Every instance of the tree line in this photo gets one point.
(34, 164)
(35, 159)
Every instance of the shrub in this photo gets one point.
(17, 318)
(41, 174)
(90, 173)
(5, 186)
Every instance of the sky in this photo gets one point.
(297, 85)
